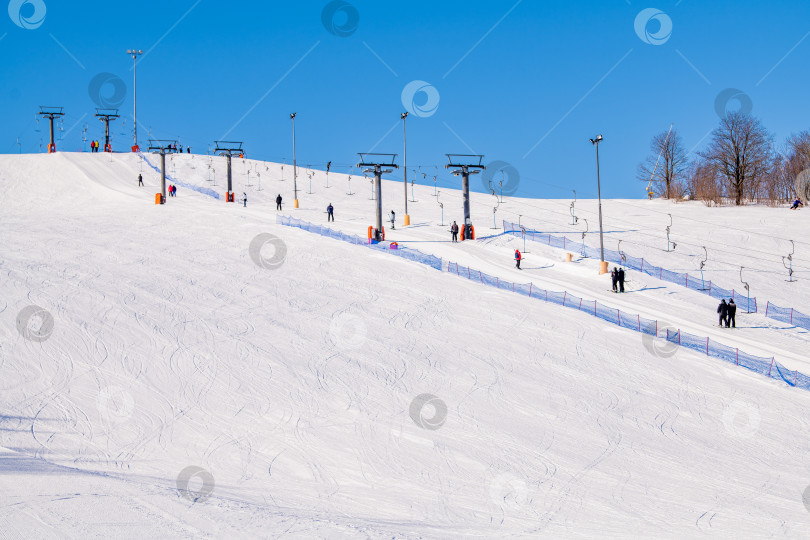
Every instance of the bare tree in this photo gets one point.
(667, 172)
(797, 163)
(740, 152)
(703, 183)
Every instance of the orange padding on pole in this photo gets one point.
(158, 196)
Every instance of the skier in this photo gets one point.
(330, 212)
(174, 191)
(140, 180)
(518, 257)
(393, 217)
(796, 204)
(732, 312)
(722, 309)
(614, 278)
(454, 231)
(278, 202)
(621, 279)
(244, 199)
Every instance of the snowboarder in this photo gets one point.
(454, 231)
(732, 312)
(278, 202)
(796, 204)
(393, 217)
(140, 180)
(621, 279)
(244, 199)
(614, 278)
(722, 309)
(330, 213)
(518, 257)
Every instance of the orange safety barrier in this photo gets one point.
(472, 232)
(158, 198)
(371, 232)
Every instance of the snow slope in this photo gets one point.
(292, 387)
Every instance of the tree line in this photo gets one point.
(740, 165)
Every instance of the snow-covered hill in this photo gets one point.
(170, 386)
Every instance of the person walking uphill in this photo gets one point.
(454, 231)
(518, 258)
(620, 275)
(278, 202)
(722, 309)
(140, 180)
(732, 312)
(614, 278)
(393, 219)
(330, 213)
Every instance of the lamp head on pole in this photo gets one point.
(292, 116)
(403, 116)
(597, 140)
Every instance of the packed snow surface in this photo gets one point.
(166, 385)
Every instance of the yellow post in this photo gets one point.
(407, 220)
(603, 267)
(295, 203)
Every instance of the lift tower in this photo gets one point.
(105, 115)
(50, 113)
(228, 149)
(375, 164)
(162, 147)
(463, 163)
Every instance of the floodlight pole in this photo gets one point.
(295, 166)
(407, 218)
(602, 265)
(135, 53)
(50, 115)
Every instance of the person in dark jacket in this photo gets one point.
(732, 312)
(244, 199)
(797, 203)
(614, 278)
(330, 213)
(140, 180)
(393, 220)
(454, 231)
(278, 202)
(722, 309)
(518, 258)
(621, 279)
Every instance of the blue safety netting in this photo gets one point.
(627, 261)
(199, 189)
(404, 252)
(787, 315)
(631, 321)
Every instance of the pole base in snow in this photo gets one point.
(295, 203)
(407, 220)
(603, 267)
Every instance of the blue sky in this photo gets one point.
(525, 83)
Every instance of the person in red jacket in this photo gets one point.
(518, 257)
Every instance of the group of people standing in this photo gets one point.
(94, 146)
(727, 313)
(617, 277)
